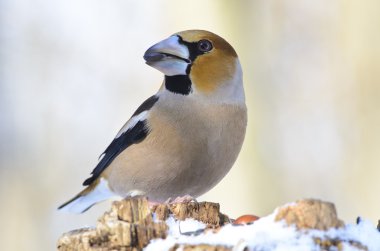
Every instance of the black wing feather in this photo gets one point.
(146, 105)
(133, 135)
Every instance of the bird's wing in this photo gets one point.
(133, 132)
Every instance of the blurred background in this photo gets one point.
(71, 74)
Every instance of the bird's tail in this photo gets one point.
(94, 193)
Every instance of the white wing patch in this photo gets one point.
(132, 122)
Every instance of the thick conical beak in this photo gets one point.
(168, 56)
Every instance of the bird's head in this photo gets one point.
(197, 61)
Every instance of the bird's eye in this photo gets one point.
(204, 45)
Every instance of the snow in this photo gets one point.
(265, 234)
(178, 228)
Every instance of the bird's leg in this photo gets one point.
(181, 199)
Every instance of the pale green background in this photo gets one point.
(71, 73)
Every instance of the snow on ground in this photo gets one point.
(265, 234)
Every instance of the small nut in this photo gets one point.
(246, 219)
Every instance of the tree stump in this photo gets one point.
(131, 225)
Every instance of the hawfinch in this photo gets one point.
(184, 139)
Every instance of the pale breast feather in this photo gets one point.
(133, 132)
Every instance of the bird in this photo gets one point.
(185, 138)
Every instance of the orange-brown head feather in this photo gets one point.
(213, 68)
